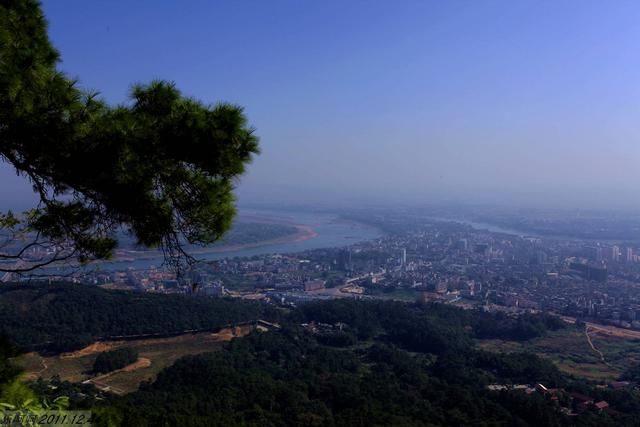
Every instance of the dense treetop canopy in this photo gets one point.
(162, 165)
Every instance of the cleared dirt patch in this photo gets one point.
(155, 354)
(142, 362)
(613, 331)
(96, 347)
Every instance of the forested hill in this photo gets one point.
(358, 363)
(333, 363)
(62, 317)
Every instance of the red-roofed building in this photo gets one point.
(584, 402)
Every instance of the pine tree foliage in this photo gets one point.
(162, 165)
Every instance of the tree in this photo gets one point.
(162, 166)
(108, 361)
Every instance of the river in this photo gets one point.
(328, 231)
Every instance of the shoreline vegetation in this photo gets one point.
(286, 230)
(303, 232)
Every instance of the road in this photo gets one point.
(607, 329)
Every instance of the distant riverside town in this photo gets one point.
(425, 260)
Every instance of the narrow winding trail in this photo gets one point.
(586, 333)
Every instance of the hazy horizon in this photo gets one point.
(531, 103)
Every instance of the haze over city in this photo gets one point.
(337, 213)
(519, 103)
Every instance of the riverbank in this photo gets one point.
(312, 231)
(303, 232)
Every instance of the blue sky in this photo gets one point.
(516, 102)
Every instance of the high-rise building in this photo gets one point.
(615, 253)
(344, 260)
(629, 254)
(594, 253)
(404, 257)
